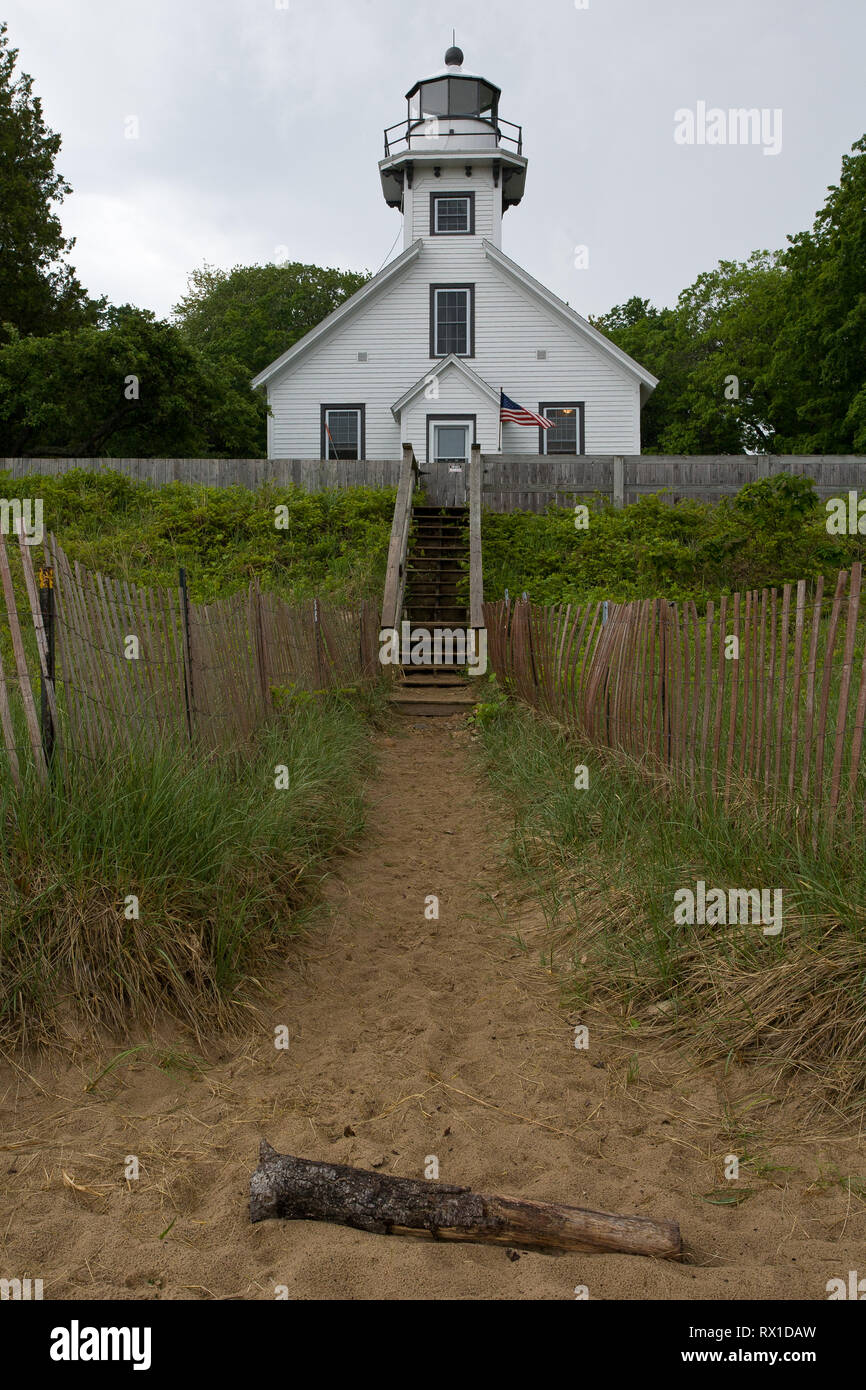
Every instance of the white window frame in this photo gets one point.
(456, 424)
(469, 292)
(452, 198)
(579, 425)
(359, 438)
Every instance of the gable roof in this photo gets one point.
(339, 315)
(574, 320)
(452, 360)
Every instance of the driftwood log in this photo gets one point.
(298, 1189)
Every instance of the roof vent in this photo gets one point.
(362, 356)
(541, 354)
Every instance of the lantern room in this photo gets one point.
(453, 117)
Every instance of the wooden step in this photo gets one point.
(424, 509)
(432, 703)
(431, 678)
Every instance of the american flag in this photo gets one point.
(514, 414)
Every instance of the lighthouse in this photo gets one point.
(452, 344)
(453, 151)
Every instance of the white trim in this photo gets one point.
(451, 198)
(343, 410)
(469, 292)
(579, 412)
(574, 319)
(340, 314)
(455, 424)
(451, 360)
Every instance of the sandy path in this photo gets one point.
(411, 1038)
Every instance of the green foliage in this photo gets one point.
(335, 543)
(221, 861)
(790, 326)
(780, 503)
(38, 291)
(772, 532)
(69, 393)
(818, 371)
(723, 327)
(493, 706)
(254, 313)
(604, 863)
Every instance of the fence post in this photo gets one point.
(618, 481)
(187, 651)
(663, 644)
(46, 608)
(605, 614)
(530, 644)
(317, 638)
(259, 649)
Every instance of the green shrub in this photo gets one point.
(335, 544)
(772, 532)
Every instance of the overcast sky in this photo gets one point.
(260, 124)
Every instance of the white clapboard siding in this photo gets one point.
(510, 327)
(457, 396)
(488, 202)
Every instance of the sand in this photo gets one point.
(412, 1038)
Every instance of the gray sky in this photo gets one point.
(260, 124)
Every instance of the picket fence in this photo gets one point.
(763, 693)
(118, 664)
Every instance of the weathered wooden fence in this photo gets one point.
(313, 475)
(521, 482)
(132, 665)
(763, 693)
(511, 482)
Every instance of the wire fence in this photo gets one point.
(763, 693)
(88, 662)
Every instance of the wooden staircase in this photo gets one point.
(437, 562)
(433, 585)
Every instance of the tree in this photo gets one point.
(767, 354)
(818, 376)
(711, 354)
(134, 388)
(39, 292)
(254, 313)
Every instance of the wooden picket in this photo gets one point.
(134, 665)
(771, 714)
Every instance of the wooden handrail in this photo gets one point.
(476, 578)
(395, 574)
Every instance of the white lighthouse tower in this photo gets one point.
(453, 141)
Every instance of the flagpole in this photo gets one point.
(500, 420)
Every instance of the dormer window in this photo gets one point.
(452, 214)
